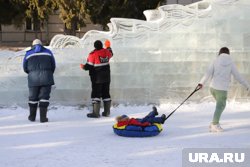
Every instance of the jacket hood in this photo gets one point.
(37, 48)
(224, 59)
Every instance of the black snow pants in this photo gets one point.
(39, 94)
(100, 90)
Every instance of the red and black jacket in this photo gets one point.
(98, 65)
(132, 121)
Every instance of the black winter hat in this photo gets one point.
(98, 45)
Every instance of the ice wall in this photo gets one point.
(157, 60)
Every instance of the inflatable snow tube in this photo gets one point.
(137, 131)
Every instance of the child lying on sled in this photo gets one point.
(146, 121)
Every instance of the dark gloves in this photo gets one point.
(199, 86)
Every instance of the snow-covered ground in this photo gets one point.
(71, 139)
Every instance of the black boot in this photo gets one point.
(107, 105)
(163, 116)
(43, 114)
(155, 110)
(96, 111)
(32, 116)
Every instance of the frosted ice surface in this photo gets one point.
(160, 59)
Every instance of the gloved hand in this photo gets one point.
(82, 66)
(199, 86)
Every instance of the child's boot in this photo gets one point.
(163, 117)
(155, 110)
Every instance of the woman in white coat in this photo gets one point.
(219, 73)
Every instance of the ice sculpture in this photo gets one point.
(157, 60)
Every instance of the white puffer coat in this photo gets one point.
(220, 73)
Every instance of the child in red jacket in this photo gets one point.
(146, 121)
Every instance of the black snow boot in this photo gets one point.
(43, 114)
(155, 110)
(32, 116)
(107, 105)
(163, 116)
(96, 111)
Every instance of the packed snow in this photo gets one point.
(71, 139)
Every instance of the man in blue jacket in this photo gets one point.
(39, 64)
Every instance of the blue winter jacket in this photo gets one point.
(39, 64)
